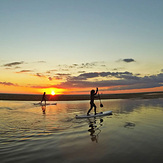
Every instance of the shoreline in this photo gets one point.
(31, 97)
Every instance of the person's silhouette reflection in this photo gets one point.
(43, 109)
(94, 130)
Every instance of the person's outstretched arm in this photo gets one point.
(96, 91)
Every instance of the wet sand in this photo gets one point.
(32, 97)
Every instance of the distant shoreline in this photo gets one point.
(31, 97)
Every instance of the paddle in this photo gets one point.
(101, 105)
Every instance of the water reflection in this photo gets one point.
(43, 109)
(52, 132)
(129, 125)
(94, 129)
(126, 106)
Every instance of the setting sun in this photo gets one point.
(52, 93)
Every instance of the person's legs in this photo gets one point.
(43, 99)
(95, 109)
(90, 109)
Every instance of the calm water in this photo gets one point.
(134, 133)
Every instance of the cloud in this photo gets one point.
(80, 66)
(8, 84)
(75, 64)
(24, 71)
(65, 69)
(88, 65)
(85, 76)
(50, 78)
(81, 72)
(13, 64)
(128, 60)
(40, 86)
(138, 86)
(57, 78)
(39, 75)
(62, 74)
(124, 81)
(50, 71)
(41, 61)
(83, 65)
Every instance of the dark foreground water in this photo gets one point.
(134, 133)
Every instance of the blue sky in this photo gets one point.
(67, 32)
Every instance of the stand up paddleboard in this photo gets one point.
(43, 104)
(93, 115)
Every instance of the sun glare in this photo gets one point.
(53, 93)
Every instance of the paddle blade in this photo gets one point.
(101, 105)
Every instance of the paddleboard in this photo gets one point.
(93, 115)
(43, 104)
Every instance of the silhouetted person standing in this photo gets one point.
(92, 97)
(44, 98)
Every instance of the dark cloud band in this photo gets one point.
(13, 64)
(8, 84)
(128, 60)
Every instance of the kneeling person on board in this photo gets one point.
(92, 96)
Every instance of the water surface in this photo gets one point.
(134, 133)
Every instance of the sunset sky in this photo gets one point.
(73, 46)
